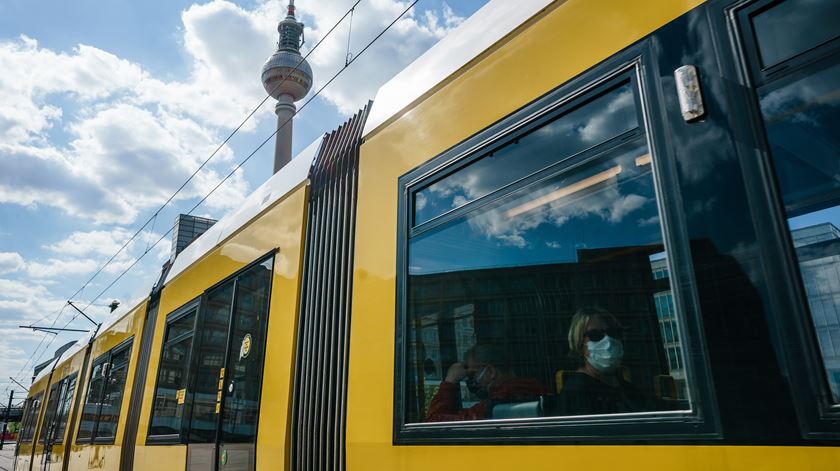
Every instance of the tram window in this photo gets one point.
(802, 121)
(33, 410)
(90, 411)
(170, 392)
(228, 351)
(52, 407)
(549, 299)
(794, 26)
(68, 387)
(210, 354)
(109, 413)
(603, 118)
(101, 411)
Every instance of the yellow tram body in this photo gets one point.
(552, 48)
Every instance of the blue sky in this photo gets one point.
(106, 107)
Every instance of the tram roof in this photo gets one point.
(290, 176)
(476, 34)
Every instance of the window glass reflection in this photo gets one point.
(801, 119)
(795, 26)
(109, 414)
(597, 121)
(211, 361)
(553, 301)
(171, 389)
(90, 411)
(64, 408)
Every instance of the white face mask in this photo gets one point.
(605, 355)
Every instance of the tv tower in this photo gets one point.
(287, 77)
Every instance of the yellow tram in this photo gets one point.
(596, 234)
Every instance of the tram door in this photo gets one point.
(226, 401)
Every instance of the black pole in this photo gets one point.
(6, 421)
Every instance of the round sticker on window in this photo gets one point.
(245, 348)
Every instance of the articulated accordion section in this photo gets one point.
(320, 395)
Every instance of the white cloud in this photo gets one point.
(136, 138)
(10, 262)
(404, 42)
(97, 242)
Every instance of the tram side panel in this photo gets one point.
(100, 420)
(165, 439)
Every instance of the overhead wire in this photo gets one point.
(347, 64)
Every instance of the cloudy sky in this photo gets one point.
(107, 107)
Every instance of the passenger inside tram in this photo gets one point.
(598, 386)
(488, 376)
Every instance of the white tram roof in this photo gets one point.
(290, 176)
(80, 344)
(486, 27)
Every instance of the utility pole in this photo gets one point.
(6, 421)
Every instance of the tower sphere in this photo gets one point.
(281, 65)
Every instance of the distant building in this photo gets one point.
(818, 251)
(187, 229)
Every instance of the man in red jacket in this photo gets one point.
(487, 379)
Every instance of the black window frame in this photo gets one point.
(200, 319)
(190, 307)
(802, 360)
(62, 413)
(702, 422)
(199, 303)
(49, 415)
(52, 419)
(106, 357)
(30, 420)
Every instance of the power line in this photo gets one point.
(58, 313)
(263, 143)
(238, 166)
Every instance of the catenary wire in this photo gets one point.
(57, 313)
(238, 166)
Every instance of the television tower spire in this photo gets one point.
(287, 77)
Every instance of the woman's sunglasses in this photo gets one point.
(596, 335)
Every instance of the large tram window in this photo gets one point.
(802, 121)
(101, 411)
(90, 411)
(245, 358)
(30, 418)
(68, 387)
(206, 395)
(49, 416)
(551, 298)
(109, 414)
(170, 393)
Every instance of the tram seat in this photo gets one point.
(516, 410)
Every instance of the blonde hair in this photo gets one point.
(578, 327)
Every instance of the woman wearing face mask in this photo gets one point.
(598, 386)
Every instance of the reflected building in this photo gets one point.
(666, 313)
(818, 251)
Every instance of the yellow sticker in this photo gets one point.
(219, 396)
(245, 348)
(221, 384)
(222, 373)
(218, 407)
(181, 395)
